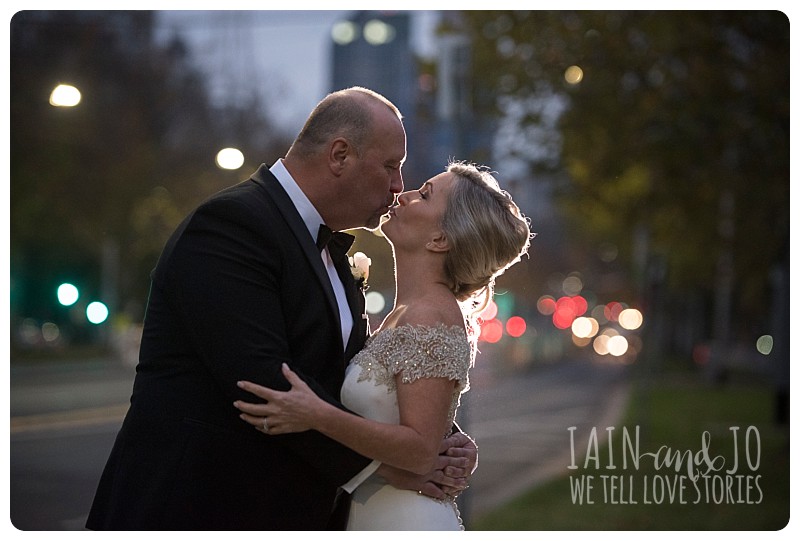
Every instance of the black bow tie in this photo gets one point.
(337, 242)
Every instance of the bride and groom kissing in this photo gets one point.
(253, 323)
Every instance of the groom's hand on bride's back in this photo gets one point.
(459, 444)
(434, 484)
(454, 467)
(457, 461)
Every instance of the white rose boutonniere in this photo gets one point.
(359, 266)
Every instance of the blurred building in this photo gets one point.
(432, 86)
(374, 49)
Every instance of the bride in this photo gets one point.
(450, 239)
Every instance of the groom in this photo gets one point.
(241, 287)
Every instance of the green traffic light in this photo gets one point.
(96, 312)
(67, 294)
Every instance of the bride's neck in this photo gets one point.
(417, 278)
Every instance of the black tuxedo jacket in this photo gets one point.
(239, 289)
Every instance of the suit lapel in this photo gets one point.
(275, 191)
(355, 297)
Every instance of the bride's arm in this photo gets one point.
(412, 445)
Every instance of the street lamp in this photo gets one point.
(230, 158)
(344, 32)
(377, 32)
(65, 95)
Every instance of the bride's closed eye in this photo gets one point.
(425, 191)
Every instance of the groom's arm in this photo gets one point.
(454, 468)
(225, 282)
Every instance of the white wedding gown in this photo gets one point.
(369, 389)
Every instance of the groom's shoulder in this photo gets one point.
(244, 197)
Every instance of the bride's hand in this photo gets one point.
(285, 412)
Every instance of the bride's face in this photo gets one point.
(417, 218)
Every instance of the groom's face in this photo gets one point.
(378, 177)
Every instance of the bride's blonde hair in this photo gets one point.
(485, 231)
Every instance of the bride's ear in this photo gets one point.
(438, 243)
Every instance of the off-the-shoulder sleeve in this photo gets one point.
(415, 351)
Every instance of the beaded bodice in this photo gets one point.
(370, 389)
(412, 352)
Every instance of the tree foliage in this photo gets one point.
(677, 132)
(116, 173)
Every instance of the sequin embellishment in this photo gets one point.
(414, 352)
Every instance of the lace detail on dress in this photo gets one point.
(417, 351)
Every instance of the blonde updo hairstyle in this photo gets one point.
(485, 231)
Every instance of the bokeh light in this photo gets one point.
(563, 317)
(579, 305)
(375, 302)
(65, 96)
(515, 326)
(490, 312)
(617, 345)
(377, 32)
(764, 344)
(50, 331)
(96, 312)
(344, 32)
(491, 331)
(585, 327)
(572, 285)
(612, 310)
(546, 305)
(67, 294)
(600, 344)
(230, 158)
(567, 309)
(573, 75)
(630, 319)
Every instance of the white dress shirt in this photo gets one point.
(313, 220)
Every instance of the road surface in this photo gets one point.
(64, 417)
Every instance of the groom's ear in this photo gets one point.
(338, 154)
(438, 243)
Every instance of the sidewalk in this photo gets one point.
(521, 427)
(554, 466)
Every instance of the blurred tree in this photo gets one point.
(97, 188)
(671, 140)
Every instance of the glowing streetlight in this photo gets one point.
(65, 96)
(377, 32)
(230, 158)
(344, 32)
(573, 75)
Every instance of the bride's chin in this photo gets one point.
(387, 236)
(386, 231)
